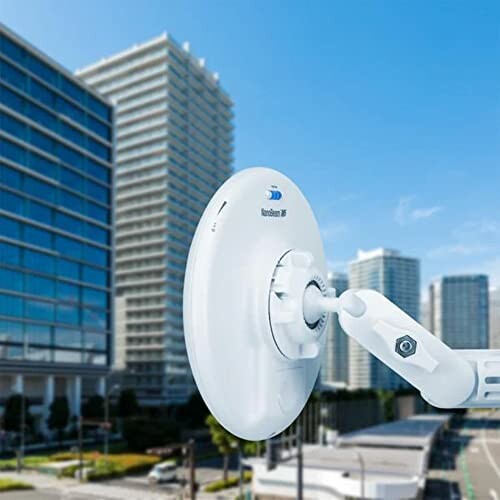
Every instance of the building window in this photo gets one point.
(94, 276)
(68, 314)
(10, 254)
(39, 261)
(66, 337)
(68, 292)
(11, 305)
(37, 236)
(68, 269)
(36, 285)
(37, 334)
(11, 280)
(10, 228)
(11, 331)
(38, 310)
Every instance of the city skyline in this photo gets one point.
(116, 131)
(111, 76)
(410, 135)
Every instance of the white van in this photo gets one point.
(162, 472)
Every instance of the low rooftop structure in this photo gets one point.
(386, 461)
(417, 432)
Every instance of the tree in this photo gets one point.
(127, 404)
(93, 408)
(387, 401)
(224, 440)
(59, 416)
(13, 412)
(142, 433)
(193, 412)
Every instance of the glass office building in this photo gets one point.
(55, 228)
(459, 311)
(335, 364)
(397, 277)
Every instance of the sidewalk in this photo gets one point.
(70, 488)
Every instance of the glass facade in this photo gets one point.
(398, 278)
(55, 213)
(459, 311)
(335, 363)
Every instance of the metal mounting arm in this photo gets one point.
(446, 378)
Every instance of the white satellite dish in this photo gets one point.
(256, 306)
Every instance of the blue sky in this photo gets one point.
(385, 113)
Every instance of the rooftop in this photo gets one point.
(415, 432)
(51, 62)
(377, 252)
(164, 38)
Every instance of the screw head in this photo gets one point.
(406, 346)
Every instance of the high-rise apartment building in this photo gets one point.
(459, 311)
(494, 318)
(55, 231)
(398, 278)
(334, 368)
(174, 143)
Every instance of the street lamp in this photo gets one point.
(362, 472)
(323, 414)
(115, 387)
(22, 425)
(237, 445)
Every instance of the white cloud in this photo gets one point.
(477, 229)
(457, 249)
(424, 213)
(406, 214)
(332, 230)
(338, 265)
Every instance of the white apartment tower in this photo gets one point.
(174, 147)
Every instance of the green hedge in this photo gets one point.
(110, 467)
(7, 484)
(104, 469)
(29, 462)
(230, 483)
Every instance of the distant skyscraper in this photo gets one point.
(425, 314)
(174, 143)
(336, 354)
(398, 278)
(495, 318)
(459, 311)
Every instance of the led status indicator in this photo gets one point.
(273, 194)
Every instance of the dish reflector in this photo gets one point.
(254, 223)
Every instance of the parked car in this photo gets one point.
(162, 472)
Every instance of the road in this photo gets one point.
(131, 488)
(466, 466)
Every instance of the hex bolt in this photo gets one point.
(406, 346)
